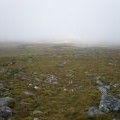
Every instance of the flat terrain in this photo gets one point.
(57, 82)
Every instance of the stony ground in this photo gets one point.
(58, 82)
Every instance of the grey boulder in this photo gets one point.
(109, 104)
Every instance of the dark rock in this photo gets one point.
(94, 111)
(5, 113)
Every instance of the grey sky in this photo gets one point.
(86, 21)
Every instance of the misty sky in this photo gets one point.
(83, 21)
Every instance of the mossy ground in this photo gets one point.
(65, 100)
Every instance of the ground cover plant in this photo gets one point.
(58, 82)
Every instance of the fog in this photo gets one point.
(60, 21)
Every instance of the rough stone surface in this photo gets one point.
(109, 104)
(94, 111)
(5, 113)
(5, 101)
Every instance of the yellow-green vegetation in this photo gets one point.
(26, 71)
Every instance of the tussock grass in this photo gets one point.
(65, 100)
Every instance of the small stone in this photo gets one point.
(37, 79)
(116, 85)
(23, 78)
(36, 119)
(65, 89)
(72, 90)
(30, 84)
(36, 87)
(28, 93)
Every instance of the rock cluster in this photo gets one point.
(107, 104)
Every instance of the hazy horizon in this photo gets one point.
(87, 22)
